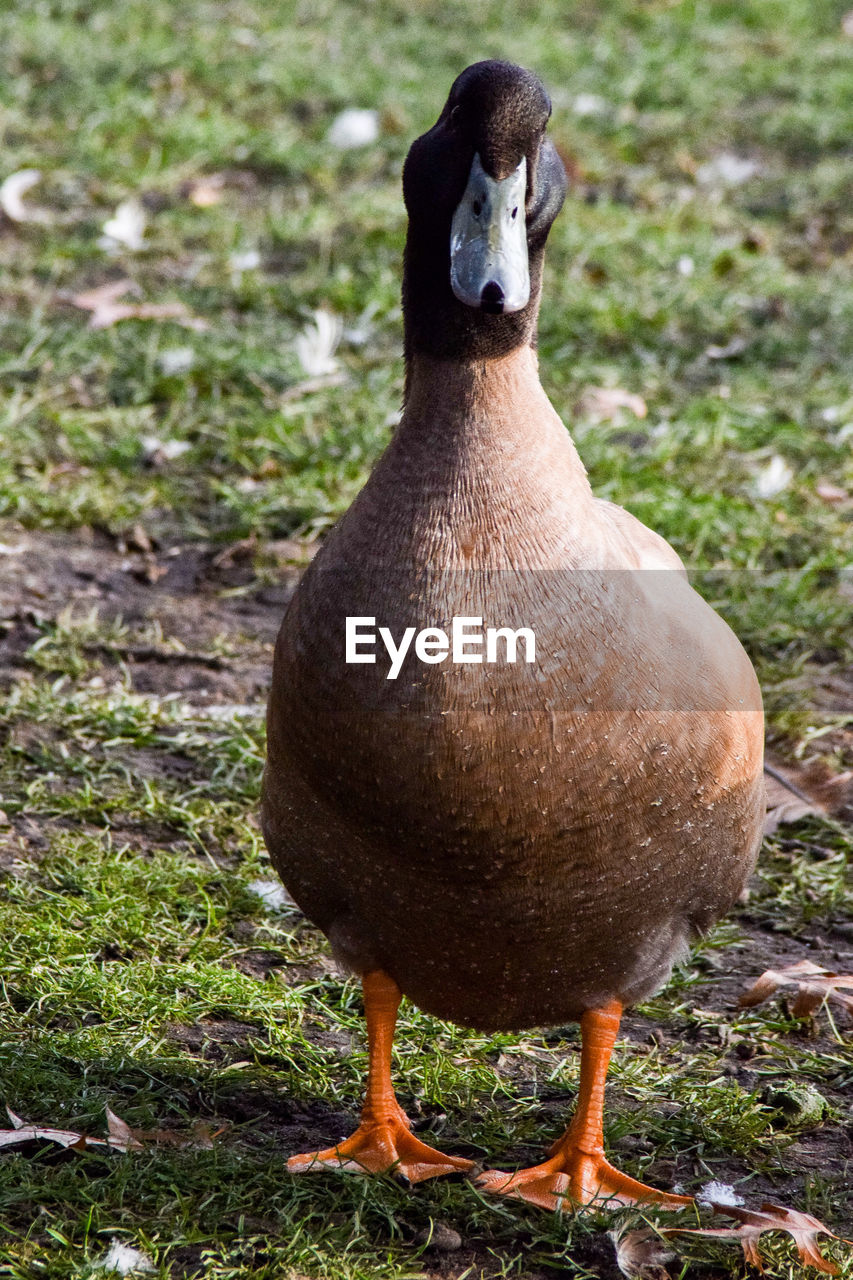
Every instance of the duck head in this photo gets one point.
(482, 189)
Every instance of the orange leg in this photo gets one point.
(577, 1172)
(384, 1139)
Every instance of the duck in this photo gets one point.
(509, 841)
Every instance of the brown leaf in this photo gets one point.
(199, 1138)
(805, 790)
(106, 309)
(801, 1227)
(23, 1132)
(122, 1137)
(814, 985)
(34, 1133)
(640, 1255)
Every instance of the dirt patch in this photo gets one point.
(192, 598)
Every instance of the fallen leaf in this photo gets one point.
(814, 984)
(107, 310)
(605, 404)
(803, 791)
(12, 192)
(122, 1137)
(801, 1227)
(640, 1255)
(831, 492)
(35, 1133)
(847, 24)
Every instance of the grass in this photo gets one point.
(140, 970)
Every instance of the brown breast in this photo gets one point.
(513, 842)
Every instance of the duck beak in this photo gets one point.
(488, 242)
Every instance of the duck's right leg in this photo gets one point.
(578, 1173)
(383, 1141)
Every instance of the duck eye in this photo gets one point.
(476, 208)
(515, 213)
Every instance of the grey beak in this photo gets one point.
(488, 242)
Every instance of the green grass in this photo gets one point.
(139, 969)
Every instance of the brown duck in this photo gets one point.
(507, 843)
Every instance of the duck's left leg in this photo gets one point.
(384, 1140)
(577, 1172)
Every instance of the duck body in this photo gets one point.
(508, 843)
(514, 843)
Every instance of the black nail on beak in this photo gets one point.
(492, 298)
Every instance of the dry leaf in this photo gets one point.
(640, 1255)
(122, 1137)
(831, 492)
(106, 309)
(605, 404)
(814, 985)
(801, 1227)
(805, 790)
(36, 1133)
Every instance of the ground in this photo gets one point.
(162, 483)
(249, 1028)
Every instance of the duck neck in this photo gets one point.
(482, 470)
(492, 404)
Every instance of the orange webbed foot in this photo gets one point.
(570, 1179)
(577, 1172)
(381, 1147)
